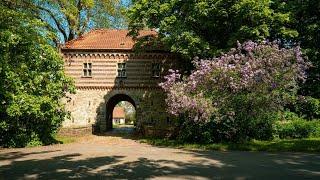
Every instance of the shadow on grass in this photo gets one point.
(292, 145)
(280, 145)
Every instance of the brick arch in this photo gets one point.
(111, 102)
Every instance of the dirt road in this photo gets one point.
(105, 157)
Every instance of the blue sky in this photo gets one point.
(126, 3)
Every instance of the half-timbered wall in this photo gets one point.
(104, 68)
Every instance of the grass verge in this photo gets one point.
(57, 139)
(65, 139)
(280, 145)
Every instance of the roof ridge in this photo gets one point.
(68, 43)
(105, 38)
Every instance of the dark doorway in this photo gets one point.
(112, 103)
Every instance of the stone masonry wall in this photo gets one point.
(88, 107)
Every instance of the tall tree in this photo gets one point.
(69, 19)
(306, 19)
(118, 20)
(32, 81)
(72, 18)
(206, 27)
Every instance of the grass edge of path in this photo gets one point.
(278, 145)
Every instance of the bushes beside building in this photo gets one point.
(212, 131)
(237, 97)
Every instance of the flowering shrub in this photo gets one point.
(240, 89)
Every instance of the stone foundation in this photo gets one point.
(80, 131)
(88, 107)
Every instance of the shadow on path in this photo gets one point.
(123, 131)
(197, 164)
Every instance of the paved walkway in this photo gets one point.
(105, 157)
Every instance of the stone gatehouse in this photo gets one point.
(106, 70)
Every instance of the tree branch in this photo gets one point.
(85, 22)
(59, 26)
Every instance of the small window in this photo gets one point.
(122, 70)
(87, 69)
(156, 70)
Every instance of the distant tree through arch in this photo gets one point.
(112, 102)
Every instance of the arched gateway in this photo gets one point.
(107, 70)
(112, 102)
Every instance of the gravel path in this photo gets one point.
(106, 157)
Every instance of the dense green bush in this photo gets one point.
(291, 125)
(308, 107)
(228, 129)
(32, 82)
(287, 116)
(298, 128)
(284, 125)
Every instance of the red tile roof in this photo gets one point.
(118, 112)
(106, 39)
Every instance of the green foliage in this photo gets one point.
(235, 97)
(308, 107)
(277, 145)
(287, 116)
(298, 128)
(307, 22)
(291, 125)
(69, 19)
(305, 18)
(131, 117)
(225, 130)
(284, 125)
(191, 131)
(204, 28)
(32, 82)
(34, 141)
(65, 139)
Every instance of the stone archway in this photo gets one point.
(111, 103)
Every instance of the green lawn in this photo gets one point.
(288, 145)
(58, 139)
(65, 139)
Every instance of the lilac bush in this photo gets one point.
(247, 82)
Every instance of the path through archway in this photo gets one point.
(110, 105)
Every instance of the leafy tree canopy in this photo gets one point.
(306, 20)
(32, 81)
(69, 19)
(206, 27)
